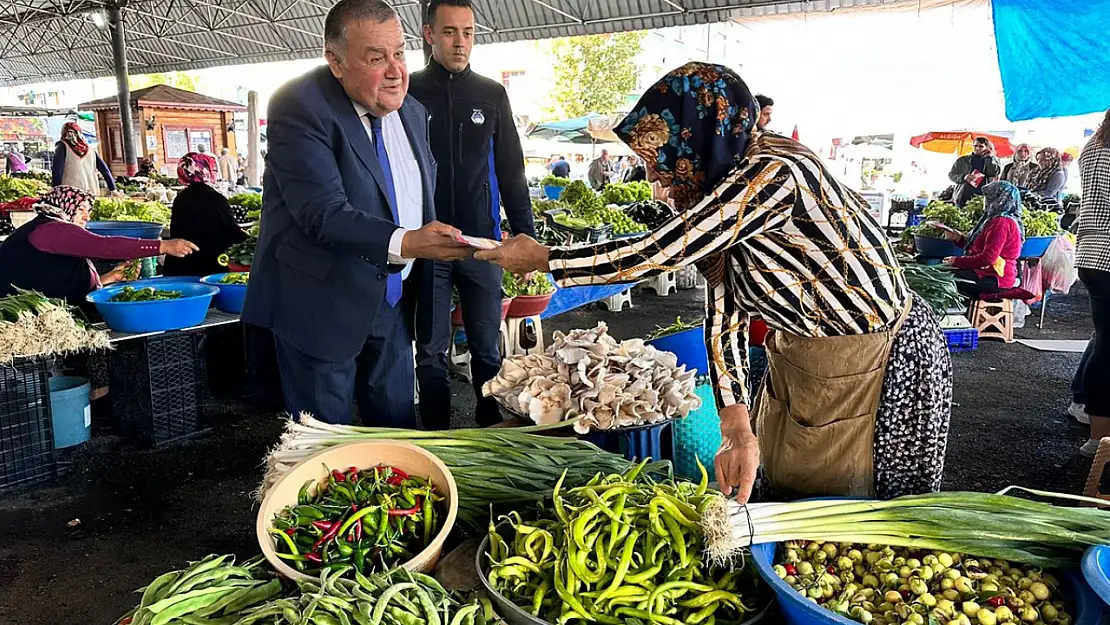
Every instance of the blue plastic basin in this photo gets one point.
(1096, 569)
(231, 296)
(161, 281)
(553, 193)
(931, 247)
(69, 411)
(135, 229)
(797, 610)
(688, 345)
(1035, 247)
(155, 316)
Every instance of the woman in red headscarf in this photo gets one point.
(202, 215)
(75, 165)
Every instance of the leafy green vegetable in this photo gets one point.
(936, 284)
(975, 208)
(948, 214)
(16, 188)
(249, 201)
(242, 253)
(554, 181)
(513, 285)
(126, 209)
(678, 326)
(626, 193)
(1040, 223)
(145, 294)
(235, 278)
(539, 207)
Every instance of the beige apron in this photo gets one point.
(815, 415)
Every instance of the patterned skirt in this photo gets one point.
(911, 427)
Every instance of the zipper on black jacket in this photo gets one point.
(451, 148)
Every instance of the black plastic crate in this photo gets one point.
(26, 430)
(158, 388)
(598, 234)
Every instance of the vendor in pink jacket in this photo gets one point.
(989, 263)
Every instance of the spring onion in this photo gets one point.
(990, 525)
(509, 466)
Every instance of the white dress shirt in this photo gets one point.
(407, 180)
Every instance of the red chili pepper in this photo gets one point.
(399, 473)
(339, 477)
(995, 602)
(791, 569)
(354, 507)
(324, 526)
(394, 480)
(831, 570)
(405, 511)
(313, 557)
(328, 535)
(291, 531)
(358, 531)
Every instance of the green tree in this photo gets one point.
(181, 80)
(595, 73)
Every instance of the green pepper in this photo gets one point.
(429, 520)
(344, 548)
(303, 496)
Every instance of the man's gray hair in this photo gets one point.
(346, 11)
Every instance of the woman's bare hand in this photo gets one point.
(177, 247)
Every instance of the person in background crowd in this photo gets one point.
(350, 207)
(636, 170)
(16, 162)
(481, 167)
(989, 264)
(206, 160)
(1065, 165)
(974, 170)
(242, 179)
(1048, 180)
(228, 166)
(1017, 171)
(1093, 260)
(560, 168)
(50, 254)
(600, 170)
(858, 397)
(766, 108)
(146, 166)
(202, 215)
(75, 165)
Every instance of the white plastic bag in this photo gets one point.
(1058, 266)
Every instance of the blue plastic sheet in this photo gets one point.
(1053, 56)
(569, 298)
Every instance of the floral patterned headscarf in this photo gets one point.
(192, 167)
(1043, 174)
(694, 126)
(73, 137)
(62, 202)
(1001, 199)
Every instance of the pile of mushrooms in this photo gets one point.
(588, 373)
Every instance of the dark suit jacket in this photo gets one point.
(318, 277)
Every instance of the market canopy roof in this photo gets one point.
(165, 96)
(44, 40)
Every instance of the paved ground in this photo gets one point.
(73, 552)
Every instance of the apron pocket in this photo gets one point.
(816, 401)
(835, 458)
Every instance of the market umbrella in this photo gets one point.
(959, 142)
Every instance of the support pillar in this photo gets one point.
(254, 178)
(123, 91)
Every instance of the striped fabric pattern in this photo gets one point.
(1094, 211)
(779, 237)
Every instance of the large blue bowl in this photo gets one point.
(134, 229)
(156, 316)
(931, 247)
(1035, 247)
(797, 610)
(688, 345)
(1096, 569)
(552, 192)
(231, 296)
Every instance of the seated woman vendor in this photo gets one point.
(989, 263)
(51, 253)
(202, 215)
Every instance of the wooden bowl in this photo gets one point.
(405, 456)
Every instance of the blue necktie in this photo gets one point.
(393, 284)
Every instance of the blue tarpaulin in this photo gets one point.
(569, 298)
(1053, 56)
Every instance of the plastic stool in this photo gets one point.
(994, 320)
(636, 444)
(1102, 458)
(615, 303)
(663, 284)
(525, 336)
(686, 278)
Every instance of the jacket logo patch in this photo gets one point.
(478, 117)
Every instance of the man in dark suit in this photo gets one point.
(348, 211)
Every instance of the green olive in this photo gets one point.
(780, 570)
(819, 557)
(790, 579)
(905, 571)
(871, 557)
(811, 547)
(1028, 615)
(947, 583)
(1049, 613)
(892, 597)
(951, 594)
(844, 563)
(870, 581)
(925, 572)
(969, 608)
(927, 599)
(945, 560)
(918, 587)
(913, 563)
(1003, 614)
(805, 568)
(1039, 590)
(855, 555)
(986, 617)
(962, 619)
(791, 556)
(830, 550)
(1027, 597)
(989, 587)
(814, 592)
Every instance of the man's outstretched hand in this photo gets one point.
(436, 241)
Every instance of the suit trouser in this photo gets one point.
(479, 286)
(380, 378)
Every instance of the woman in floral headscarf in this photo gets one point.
(51, 253)
(858, 394)
(202, 215)
(989, 263)
(75, 165)
(1048, 180)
